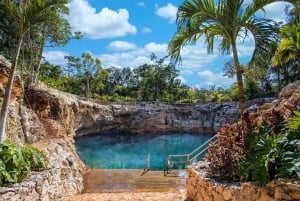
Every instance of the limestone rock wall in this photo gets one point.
(154, 117)
(17, 90)
(201, 188)
(45, 121)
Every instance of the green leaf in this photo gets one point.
(294, 122)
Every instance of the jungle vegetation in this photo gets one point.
(27, 27)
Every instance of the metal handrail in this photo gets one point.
(201, 152)
(202, 145)
(191, 156)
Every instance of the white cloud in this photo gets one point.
(146, 30)
(168, 12)
(96, 25)
(195, 57)
(141, 4)
(134, 57)
(158, 49)
(208, 78)
(126, 59)
(56, 57)
(275, 11)
(182, 79)
(121, 46)
(245, 46)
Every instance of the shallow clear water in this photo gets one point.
(130, 151)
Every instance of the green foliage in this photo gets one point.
(294, 123)
(260, 160)
(272, 155)
(34, 157)
(290, 154)
(268, 152)
(17, 162)
(252, 89)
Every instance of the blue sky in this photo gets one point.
(125, 33)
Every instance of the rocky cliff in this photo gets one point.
(154, 117)
(28, 122)
(50, 119)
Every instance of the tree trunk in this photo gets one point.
(87, 87)
(8, 89)
(36, 68)
(239, 77)
(24, 123)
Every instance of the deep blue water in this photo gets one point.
(130, 151)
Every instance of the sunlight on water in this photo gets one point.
(131, 151)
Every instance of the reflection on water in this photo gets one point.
(131, 151)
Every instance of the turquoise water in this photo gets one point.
(130, 151)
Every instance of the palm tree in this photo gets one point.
(225, 20)
(289, 47)
(24, 15)
(287, 54)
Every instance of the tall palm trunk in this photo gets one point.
(239, 77)
(9, 85)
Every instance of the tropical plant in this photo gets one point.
(85, 68)
(289, 165)
(286, 58)
(224, 154)
(276, 120)
(289, 47)
(272, 155)
(34, 158)
(17, 162)
(24, 16)
(226, 21)
(51, 75)
(56, 31)
(261, 158)
(294, 123)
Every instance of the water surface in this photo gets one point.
(130, 151)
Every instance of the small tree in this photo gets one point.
(25, 15)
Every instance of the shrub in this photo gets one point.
(16, 162)
(224, 154)
(260, 160)
(257, 154)
(272, 155)
(289, 146)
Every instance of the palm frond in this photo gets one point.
(265, 32)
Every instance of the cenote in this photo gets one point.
(130, 151)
